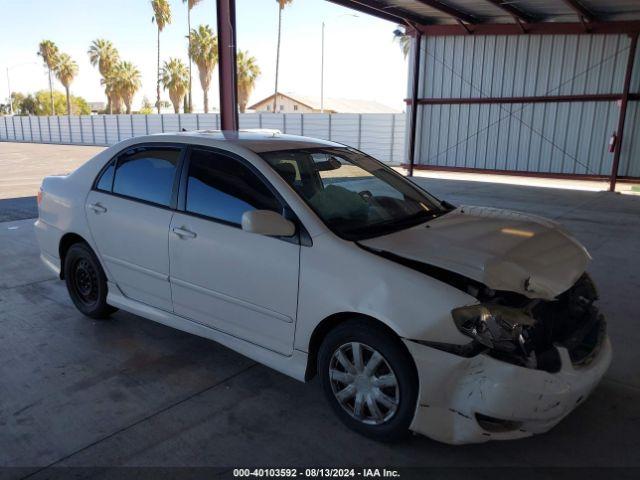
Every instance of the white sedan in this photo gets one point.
(465, 324)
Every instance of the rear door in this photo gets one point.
(129, 211)
(241, 283)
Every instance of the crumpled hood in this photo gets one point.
(505, 250)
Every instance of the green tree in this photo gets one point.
(49, 53)
(204, 52)
(16, 101)
(248, 72)
(175, 78)
(281, 5)
(190, 5)
(103, 54)
(161, 17)
(43, 106)
(66, 70)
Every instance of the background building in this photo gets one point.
(294, 103)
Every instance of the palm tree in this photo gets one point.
(203, 50)
(110, 83)
(281, 5)
(400, 35)
(49, 53)
(127, 82)
(103, 54)
(161, 17)
(248, 72)
(66, 69)
(190, 5)
(175, 78)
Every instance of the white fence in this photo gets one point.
(379, 135)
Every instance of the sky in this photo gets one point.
(361, 59)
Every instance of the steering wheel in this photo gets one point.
(366, 195)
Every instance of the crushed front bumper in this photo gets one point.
(458, 394)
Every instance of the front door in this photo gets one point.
(129, 216)
(241, 283)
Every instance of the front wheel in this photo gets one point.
(86, 282)
(369, 379)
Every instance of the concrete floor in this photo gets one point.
(129, 392)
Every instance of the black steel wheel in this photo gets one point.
(86, 282)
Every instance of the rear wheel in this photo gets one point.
(86, 282)
(369, 380)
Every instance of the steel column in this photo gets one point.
(414, 99)
(226, 18)
(623, 111)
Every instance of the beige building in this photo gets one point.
(293, 103)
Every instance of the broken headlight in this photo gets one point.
(497, 327)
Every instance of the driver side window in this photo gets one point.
(222, 188)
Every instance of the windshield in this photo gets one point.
(356, 196)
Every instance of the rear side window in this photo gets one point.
(222, 188)
(147, 174)
(106, 179)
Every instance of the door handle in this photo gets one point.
(97, 208)
(183, 232)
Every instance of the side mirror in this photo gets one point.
(266, 222)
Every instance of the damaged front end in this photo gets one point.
(518, 329)
(526, 332)
(529, 364)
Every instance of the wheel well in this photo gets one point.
(66, 241)
(328, 324)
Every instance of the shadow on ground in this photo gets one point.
(18, 208)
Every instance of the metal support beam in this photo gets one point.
(452, 12)
(541, 28)
(580, 10)
(517, 14)
(226, 17)
(381, 10)
(623, 112)
(417, 38)
(587, 97)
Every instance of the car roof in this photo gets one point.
(258, 141)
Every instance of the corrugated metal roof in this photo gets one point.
(486, 11)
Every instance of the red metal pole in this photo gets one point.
(623, 111)
(414, 101)
(226, 13)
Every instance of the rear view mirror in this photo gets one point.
(266, 222)
(331, 164)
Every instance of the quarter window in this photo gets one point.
(106, 179)
(147, 174)
(222, 188)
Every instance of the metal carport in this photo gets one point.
(527, 87)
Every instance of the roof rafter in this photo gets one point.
(581, 10)
(382, 10)
(451, 11)
(517, 13)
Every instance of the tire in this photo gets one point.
(390, 376)
(86, 282)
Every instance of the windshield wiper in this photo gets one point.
(395, 224)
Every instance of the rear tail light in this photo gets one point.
(39, 197)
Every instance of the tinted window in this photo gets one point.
(147, 174)
(223, 188)
(106, 179)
